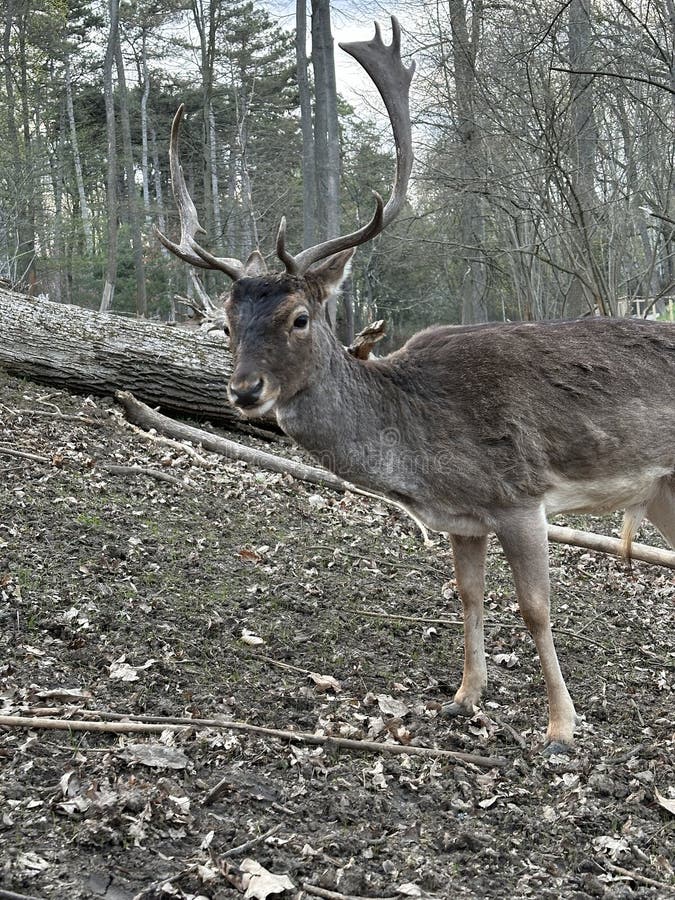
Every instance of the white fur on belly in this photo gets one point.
(602, 495)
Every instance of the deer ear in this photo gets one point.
(255, 265)
(331, 273)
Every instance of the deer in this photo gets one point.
(476, 429)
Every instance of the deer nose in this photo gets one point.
(246, 391)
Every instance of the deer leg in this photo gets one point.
(469, 559)
(525, 544)
(661, 511)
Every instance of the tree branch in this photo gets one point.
(158, 725)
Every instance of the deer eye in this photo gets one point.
(301, 321)
(226, 329)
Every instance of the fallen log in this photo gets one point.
(184, 372)
(147, 418)
(604, 544)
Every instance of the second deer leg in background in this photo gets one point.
(469, 560)
(661, 511)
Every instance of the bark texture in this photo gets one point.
(185, 372)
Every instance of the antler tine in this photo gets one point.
(383, 64)
(189, 250)
(286, 258)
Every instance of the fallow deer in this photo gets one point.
(475, 430)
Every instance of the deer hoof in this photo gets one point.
(454, 709)
(558, 748)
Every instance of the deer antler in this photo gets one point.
(383, 64)
(189, 250)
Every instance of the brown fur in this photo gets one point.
(477, 429)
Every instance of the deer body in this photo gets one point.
(475, 430)
(462, 424)
(489, 429)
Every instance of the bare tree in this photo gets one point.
(130, 186)
(306, 125)
(326, 132)
(111, 181)
(465, 41)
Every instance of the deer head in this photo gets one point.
(276, 320)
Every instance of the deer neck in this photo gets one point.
(350, 418)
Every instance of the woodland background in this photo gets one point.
(543, 184)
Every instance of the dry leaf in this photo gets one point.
(611, 845)
(409, 890)
(665, 802)
(392, 707)
(325, 682)
(121, 671)
(156, 756)
(507, 659)
(248, 637)
(260, 882)
(65, 694)
(249, 555)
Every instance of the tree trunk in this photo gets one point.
(144, 82)
(215, 190)
(326, 135)
(130, 185)
(583, 199)
(159, 198)
(304, 93)
(85, 212)
(185, 372)
(111, 183)
(22, 266)
(472, 212)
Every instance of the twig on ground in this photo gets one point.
(22, 454)
(385, 561)
(516, 735)
(336, 895)
(135, 724)
(242, 848)
(634, 876)
(42, 414)
(459, 623)
(12, 895)
(282, 665)
(422, 620)
(181, 446)
(613, 546)
(145, 470)
(151, 889)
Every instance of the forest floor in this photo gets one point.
(215, 598)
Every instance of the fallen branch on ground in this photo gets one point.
(136, 725)
(12, 895)
(642, 552)
(336, 895)
(634, 876)
(148, 418)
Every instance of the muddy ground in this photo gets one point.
(127, 594)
